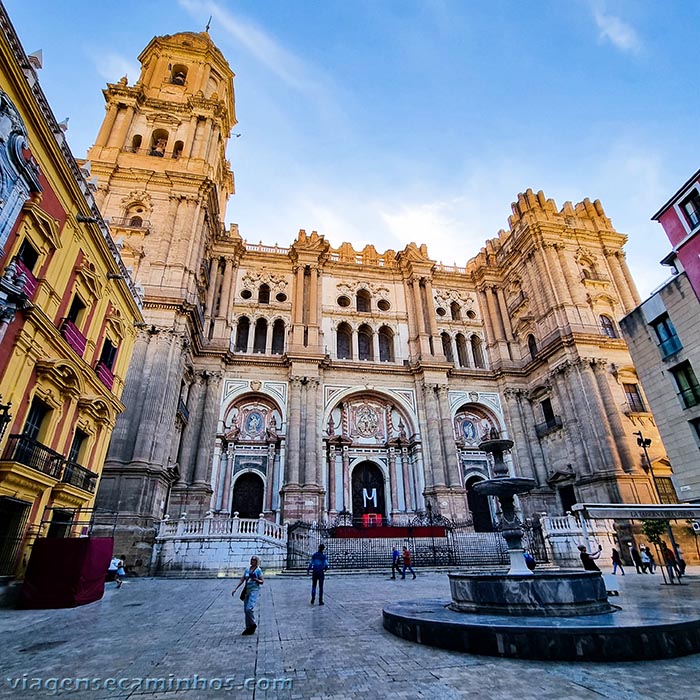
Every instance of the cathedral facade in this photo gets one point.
(308, 381)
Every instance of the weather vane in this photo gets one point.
(206, 29)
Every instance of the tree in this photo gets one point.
(653, 529)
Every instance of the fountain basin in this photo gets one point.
(558, 593)
(504, 486)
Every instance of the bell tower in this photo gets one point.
(163, 185)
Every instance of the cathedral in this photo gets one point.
(305, 382)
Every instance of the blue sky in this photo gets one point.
(387, 121)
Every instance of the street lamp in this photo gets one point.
(644, 443)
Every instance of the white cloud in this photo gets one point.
(617, 31)
(112, 66)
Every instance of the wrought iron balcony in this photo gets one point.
(104, 374)
(130, 222)
(549, 426)
(73, 336)
(33, 454)
(77, 475)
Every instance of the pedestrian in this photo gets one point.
(587, 558)
(318, 567)
(251, 580)
(529, 561)
(617, 562)
(681, 561)
(407, 563)
(636, 558)
(645, 555)
(395, 562)
(670, 561)
(116, 571)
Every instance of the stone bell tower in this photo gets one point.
(163, 184)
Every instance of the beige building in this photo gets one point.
(305, 381)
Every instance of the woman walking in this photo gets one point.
(252, 579)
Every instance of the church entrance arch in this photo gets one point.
(479, 507)
(367, 491)
(248, 496)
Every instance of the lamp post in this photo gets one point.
(644, 443)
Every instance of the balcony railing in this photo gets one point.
(130, 222)
(33, 454)
(549, 426)
(31, 282)
(76, 475)
(670, 346)
(104, 374)
(73, 336)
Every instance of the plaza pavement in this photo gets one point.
(188, 631)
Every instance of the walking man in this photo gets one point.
(395, 562)
(407, 563)
(318, 567)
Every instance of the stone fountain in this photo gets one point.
(553, 614)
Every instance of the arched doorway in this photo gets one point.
(479, 508)
(248, 496)
(367, 490)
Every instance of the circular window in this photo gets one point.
(246, 294)
(383, 305)
(471, 314)
(344, 301)
(281, 297)
(440, 311)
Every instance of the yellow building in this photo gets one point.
(68, 312)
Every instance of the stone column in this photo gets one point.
(393, 484)
(195, 407)
(522, 418)
(418, 302)
(355, 345)
(107, 124)
(347, 501)
(230, 464)
(269, 476)
(293, 428)
(375, 345)
(208, 427)
(432, 413)
(217, 480)
(503, 308)
(406, 473)
(448, 437)
(331, 479)
(211, 290)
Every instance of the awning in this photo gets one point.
(635, 511)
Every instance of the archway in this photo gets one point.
(479, 508)
(367, 490)
(248, 496)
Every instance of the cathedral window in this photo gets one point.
(471, 315)
(608, 326)
(242, 334)
(159, 142)
(447, 346)
(455, 311)
(383, 305)
(386, 344)
(344, 342)
(462, 354)
(440, 311)
(532, 346)
(135, 222)
(478, 351)
(246, 294)
(264, 294)
(364, 343)
(178, 148)
(344, 301)
(178, 74)
(278, 337)
(136, 143)
(363, 300)
(260, 338)
(634, 398)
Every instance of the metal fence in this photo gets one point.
(461, 545)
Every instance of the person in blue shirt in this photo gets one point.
(253, 579)
(318, 567)
(395, 562)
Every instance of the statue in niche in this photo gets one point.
(402, 431)
(331, 426)
(272, 428)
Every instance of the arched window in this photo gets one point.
(447, 346)
(178, 74)
(344, 342)
(135, 222)
(462, 355)
(136, 143)
(260, 339)
(364, 301)
(159, 142)
(608, 326)
(278, 337)
(364, 343)
(264, 294)
(242, 334)
(455, 311)
(477, 351)
(532, 345)
(386, 344)
(177, 149)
